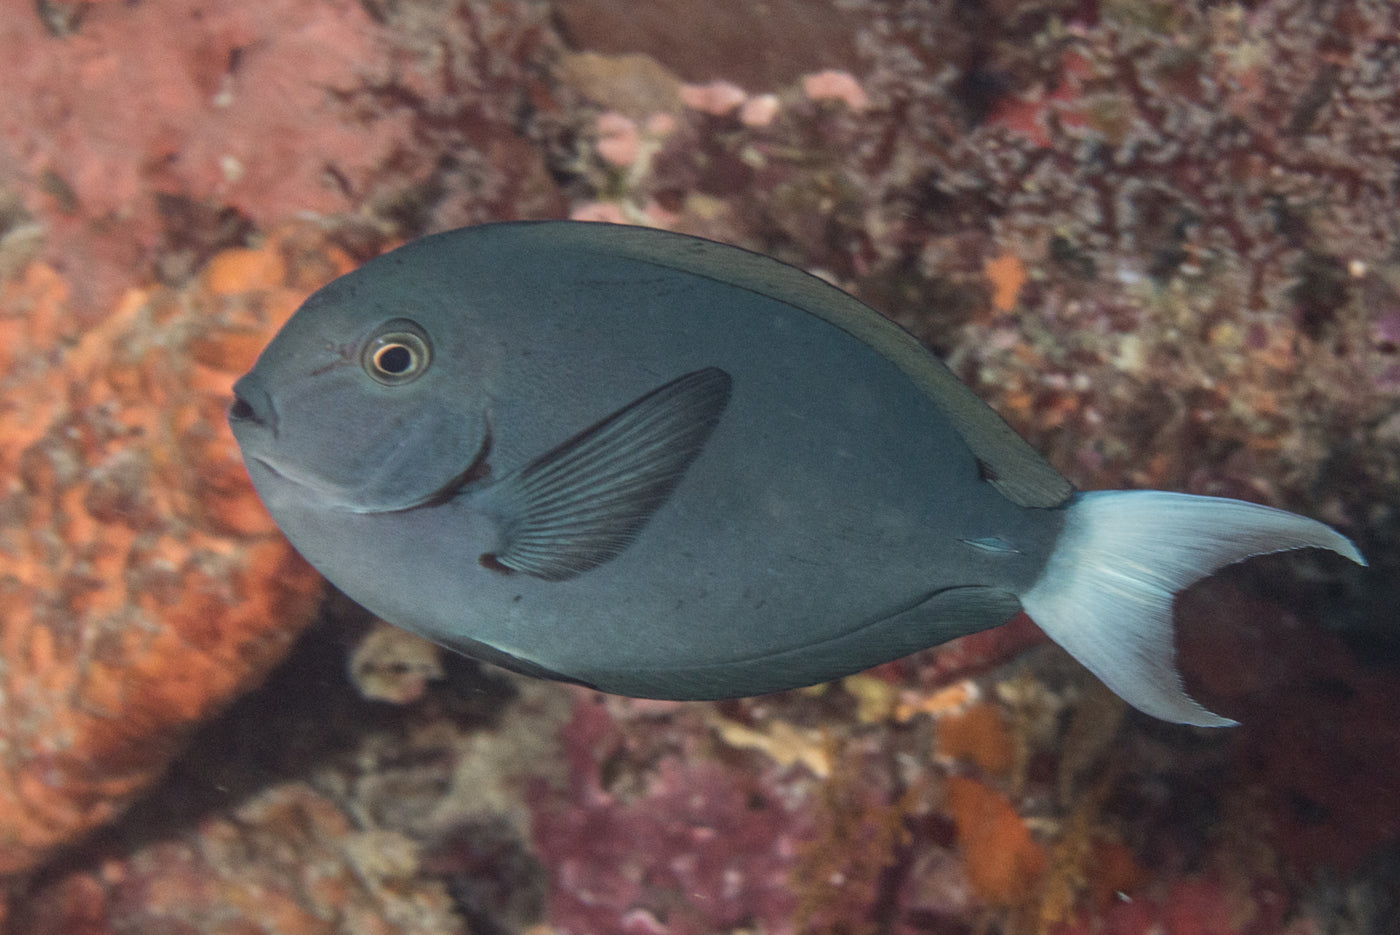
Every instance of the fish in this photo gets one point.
(666, 467)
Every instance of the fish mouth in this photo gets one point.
(252, 405)
(478, 469)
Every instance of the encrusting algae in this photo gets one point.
(143, 586)
(1004, 862)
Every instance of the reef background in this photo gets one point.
(1161, 237)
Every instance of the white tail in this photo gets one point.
(1107, 590)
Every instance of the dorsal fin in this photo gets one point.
(1016, 469)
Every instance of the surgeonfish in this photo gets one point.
(670, 468)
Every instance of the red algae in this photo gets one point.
(655, 839)
(1190, 906)
(1322, 742)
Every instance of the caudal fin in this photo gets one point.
(1106, 593)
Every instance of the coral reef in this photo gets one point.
(757, 46)
(1004, 862)
(147, 107)
(1160, 237)
(319, 812)
(157, 132)
(1321, 748)
(144, 586)
(288, 862)
(1151, 244)
(654, 834)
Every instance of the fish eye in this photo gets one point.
(398, 353)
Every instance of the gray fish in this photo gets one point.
(670, 468)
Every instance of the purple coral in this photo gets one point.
(682, 844)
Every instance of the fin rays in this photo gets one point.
(1107, 592)
(582, 503)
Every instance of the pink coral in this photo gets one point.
(246, 105)
(619, 140)
(836, 86)
(717, 98)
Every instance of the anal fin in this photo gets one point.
(936, 618)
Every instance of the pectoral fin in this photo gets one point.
(579, 505)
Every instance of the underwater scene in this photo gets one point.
(768, 625)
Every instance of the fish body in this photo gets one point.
(666, 467)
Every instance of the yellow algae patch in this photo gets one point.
(785, 744)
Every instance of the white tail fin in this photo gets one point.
(1106, 592)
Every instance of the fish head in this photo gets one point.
(363, 404)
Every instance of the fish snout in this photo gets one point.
(252, 405)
